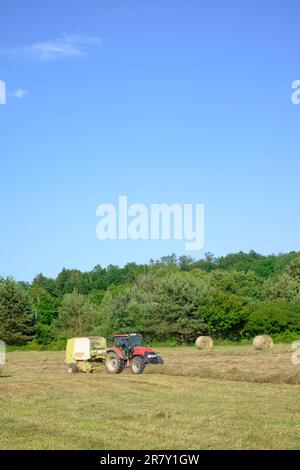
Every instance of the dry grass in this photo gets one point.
(238, 363)
(178, 405)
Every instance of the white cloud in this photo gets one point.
(19, 93)
(66, 47)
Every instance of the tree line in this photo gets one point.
(172, 299)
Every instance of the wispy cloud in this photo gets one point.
(69, 46)
(19, 93)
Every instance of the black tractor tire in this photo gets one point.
(114, 364)
(72, 368)
(137, 365)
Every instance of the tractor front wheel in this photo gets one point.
(114, 364)
(137, 365)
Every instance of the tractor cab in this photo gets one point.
(128, 343)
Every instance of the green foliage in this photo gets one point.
(224, 314)
(45, 305)
(15, 313)
(77, 316)
(244, 284)
(293, 269)
(170, 300)
(283, 287)
(286, 337)
(174, 308)
(45, 334)
(271, 318)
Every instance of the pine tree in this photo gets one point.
(15, 313)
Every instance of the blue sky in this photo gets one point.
(163, 101)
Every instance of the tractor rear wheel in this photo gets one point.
(114, 364)
(137, 365)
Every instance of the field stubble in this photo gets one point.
(230, 397)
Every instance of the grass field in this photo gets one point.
(231, 397)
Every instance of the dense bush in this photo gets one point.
(271, 318)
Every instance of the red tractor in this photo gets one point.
(128, 351)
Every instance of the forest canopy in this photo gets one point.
(172, 299)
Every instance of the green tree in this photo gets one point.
(16, 322)
(122, 310)
(45, 312)
(77, 316)
(173, 309)
(224, 314)
(293, 269)
(271, 318)
(282, 288)
(244, 284)
(44, 305)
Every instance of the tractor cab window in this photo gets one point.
(135, 341)
(121, 341)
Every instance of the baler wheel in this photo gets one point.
(72, 368)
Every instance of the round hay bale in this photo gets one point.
(263, 343)
(204, 342)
